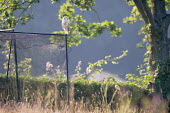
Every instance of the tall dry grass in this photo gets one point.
(75, 107)
(51, 102)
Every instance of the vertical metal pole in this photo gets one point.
(68, 84)
(9, 57)
(16, 70)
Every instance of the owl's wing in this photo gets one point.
(69, 23)
(65, 25)
(65, 28)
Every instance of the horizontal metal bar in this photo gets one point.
(32, 33)
(7, 30)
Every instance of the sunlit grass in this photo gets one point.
(52, 103)
(74, 107)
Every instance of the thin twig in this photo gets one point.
(97, 14)
(24, 10)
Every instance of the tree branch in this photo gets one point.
(140, 8)
(148, 12)
(24, 10)
(96, 14)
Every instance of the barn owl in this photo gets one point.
(66, 24)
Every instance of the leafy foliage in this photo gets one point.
(142, 79)
(134, 17)
(144, 76)
(13, 12)
(79, 27)
(97, 66)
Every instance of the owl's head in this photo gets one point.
(65, 18)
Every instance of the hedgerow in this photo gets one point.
(34, 89)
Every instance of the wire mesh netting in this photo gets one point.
(37, 54)
(32, 55)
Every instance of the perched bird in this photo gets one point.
(66, 24)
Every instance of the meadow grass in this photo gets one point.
(52, 103)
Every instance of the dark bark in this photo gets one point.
(140, 7)
(148, 12)
(159, 47)
(159, 34)
(159, 11)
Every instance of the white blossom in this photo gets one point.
(49, 66)
(79, 63)
(88, 70)
(117, 87)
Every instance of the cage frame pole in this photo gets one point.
(16, 72)
(68, 82)
(9, 58)
(10, 49)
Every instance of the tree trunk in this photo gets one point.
(159, 60)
